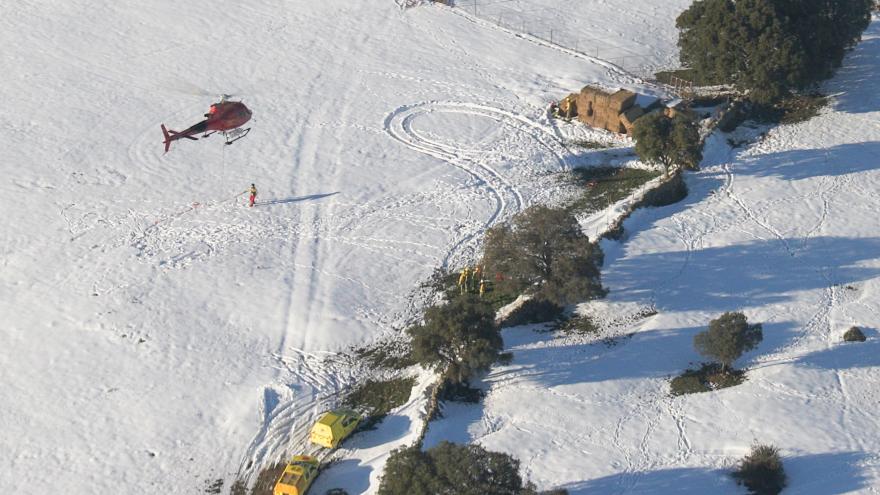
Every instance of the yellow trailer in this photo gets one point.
(297, 476)
(333, 427)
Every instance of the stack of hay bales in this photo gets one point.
(615, 112)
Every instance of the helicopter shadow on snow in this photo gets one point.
(297, 199)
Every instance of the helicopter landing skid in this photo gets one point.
(235, 135)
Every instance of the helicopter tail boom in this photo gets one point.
(167, 138)
(173, 136)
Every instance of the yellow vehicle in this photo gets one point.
(333, 427)
(297, 476)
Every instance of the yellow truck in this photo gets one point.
(297, 476)
(333, 427)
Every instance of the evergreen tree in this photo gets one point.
(451, 468)
(769, 47)
(461, 337)
(543, 250)
(668, 142)
(727, 338)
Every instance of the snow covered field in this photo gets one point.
(636, 36)
(157, 334)
(784, 230)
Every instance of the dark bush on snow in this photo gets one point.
(854, 334)
(706, 378)
(533, 311)
(451, 468)
(761, 471)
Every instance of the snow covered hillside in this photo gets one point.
(784, 229)
(159, 335)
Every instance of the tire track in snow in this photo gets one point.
(399, 125)
(287, 414)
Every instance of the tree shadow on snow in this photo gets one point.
(752, 274)
(683, 481)
(648, 354)
(815, 474)
(858, 75)
(457, 422)
(659, 354)
(836, 161)
(349, 474)
(845, 355)
(294, 200)
(392, 428)
(825, 474)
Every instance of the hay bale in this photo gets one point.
(602, 110)
(621, 100)
(628, 118)
(586, 104)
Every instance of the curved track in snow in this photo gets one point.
(400, 125)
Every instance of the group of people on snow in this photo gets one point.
(471, 280)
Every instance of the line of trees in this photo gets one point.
(768, 48)
(542, 252)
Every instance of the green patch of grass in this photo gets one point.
(387, 355)
(603, 186)
(705, 379)
(377, 398)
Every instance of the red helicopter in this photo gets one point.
(225, 116)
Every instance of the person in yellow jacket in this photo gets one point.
(482, 287)
(463, 279)
(253, 197)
